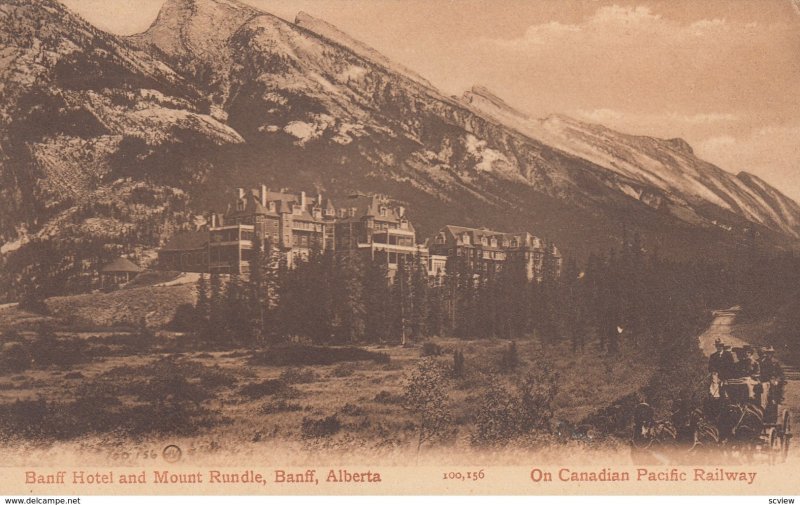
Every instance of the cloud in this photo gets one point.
(639, 14)
(703, 118)
(615, 117)
(619, 24)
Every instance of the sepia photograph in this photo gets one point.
(399, 247)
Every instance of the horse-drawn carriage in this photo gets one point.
(752, 421)
(739, 419)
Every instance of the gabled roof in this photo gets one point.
(121, 265)
(368, 206)
(187, 241)
(476, 234)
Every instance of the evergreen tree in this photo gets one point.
(216, 317)
(347, 300)
(402, 301)
(438, 313)
(256, 294)
(418, 321)
(236, 321)
(377, 297)
(202, 308)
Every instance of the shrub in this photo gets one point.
(325, 427)
(506, 413)
(278, 406)
(497, 418)
(215, 378)
(510, 358)
(350, 409)
(305, 355)
(458, 364)
(388, 398)
(298, 376)
(15, 357)
(431, 349)
(264, 388)
(426, 397)
(185, 318)
(343, 370)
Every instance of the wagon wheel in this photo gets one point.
(775, 445)
(786, 435)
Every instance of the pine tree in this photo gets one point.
(256, 295)
(465, 315)
(419, 298)
(274, 271)
(438, 313)
(216, 317)
(401, 298)
(236, 321)
(202, 308)
(347, 299)
(377, 297)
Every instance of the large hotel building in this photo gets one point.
(296, 223)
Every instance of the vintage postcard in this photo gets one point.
(399, 247)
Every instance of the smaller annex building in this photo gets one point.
(120, 271)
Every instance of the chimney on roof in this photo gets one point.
(263, 195)
(319, 199)
(213, 220)
(303, 200)
(401, 211)
(240, 193)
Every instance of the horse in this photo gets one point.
(705, 435)
(652, 439)
(740, 426)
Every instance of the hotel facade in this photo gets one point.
(369, 225)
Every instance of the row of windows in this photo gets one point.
(220, 254)
(491, 242)
(305, 225)
(304, 240)
(393, 240)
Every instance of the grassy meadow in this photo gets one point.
(112, 393)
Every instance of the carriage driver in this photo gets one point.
(715, 360)
(722, 361)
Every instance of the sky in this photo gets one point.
(722, 74)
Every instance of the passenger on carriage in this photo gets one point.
(749, 366)
(772, 375)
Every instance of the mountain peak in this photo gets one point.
(333, 34)
(184, 26)
(680, 144)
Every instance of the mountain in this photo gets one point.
(73, 100)
(141, 133)
(321, 87)
(664, 173)
(333, 34)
